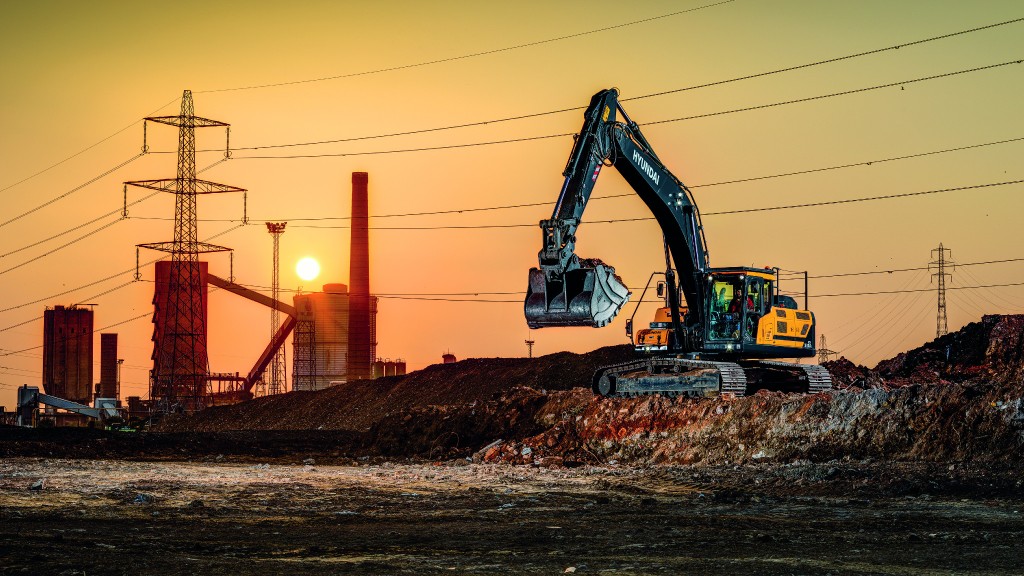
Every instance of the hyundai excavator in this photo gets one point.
(722, 330)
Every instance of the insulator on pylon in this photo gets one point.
(138, 275)
(245, 208)
(145, 147)
(231, 269)
(227, 143)
(124, 208)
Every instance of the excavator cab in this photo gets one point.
(746, 314)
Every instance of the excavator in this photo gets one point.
(722, 330)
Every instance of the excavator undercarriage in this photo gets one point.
(678, 376)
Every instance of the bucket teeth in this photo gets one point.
(586, 296)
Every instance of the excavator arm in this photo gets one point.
(568, 291)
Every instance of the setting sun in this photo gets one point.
(307, 269)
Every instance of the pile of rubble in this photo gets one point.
(958, 398)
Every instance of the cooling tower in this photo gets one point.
(360, 339)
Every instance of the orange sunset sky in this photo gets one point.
(78, 78)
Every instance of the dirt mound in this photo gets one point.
(846, 374)
(957, 398)
(953, 422)
(361, 404)
(991, 350)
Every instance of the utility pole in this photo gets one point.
(180, 360)
(278, 377)
(940, 263)
(529, 346)
(823, 352)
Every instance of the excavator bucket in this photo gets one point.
(587, 296)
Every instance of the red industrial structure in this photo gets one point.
(179, 364)
(67, 353)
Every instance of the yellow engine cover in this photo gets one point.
(785, 327)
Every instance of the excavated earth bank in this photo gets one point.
(958, 398)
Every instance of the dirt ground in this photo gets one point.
(230, 517)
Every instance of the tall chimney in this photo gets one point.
(359, 282)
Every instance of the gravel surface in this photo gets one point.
(116, 517)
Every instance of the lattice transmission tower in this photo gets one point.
(278, 383)
(940, 263)
(824, 354)
(180, 360)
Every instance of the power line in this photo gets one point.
(93, 283)
(917, 290)
(94, 331)
(78, 227)
(73, 190)
(93, 297)
(431, 295)
(641, 97)
(865, 273)
(722, 213)
(520, 301)
(123, 210)
(467, 56)
(82, 151)
(403, 150)
(625, 195)
(834, 94)
(865, 199)
(652, 123)
(61, 247)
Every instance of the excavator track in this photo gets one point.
(670, 376)
(818, 378)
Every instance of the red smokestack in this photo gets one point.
(359, 345)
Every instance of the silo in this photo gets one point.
(67, 353)
(399, 367)
(389, 368)
(107, 388)
(377, 368)
(321, 356)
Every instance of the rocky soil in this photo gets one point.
(98, 517)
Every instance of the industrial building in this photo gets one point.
(335, 339)
(386, 367)
(109, 385)
(67, 353)
(322, 345)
